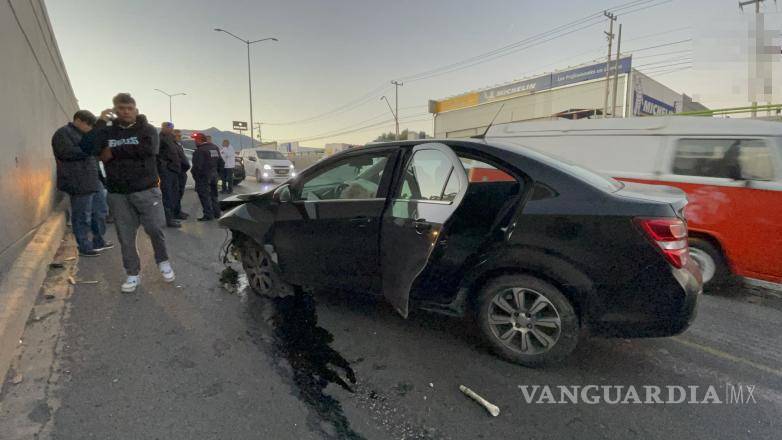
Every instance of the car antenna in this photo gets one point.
(483, 135)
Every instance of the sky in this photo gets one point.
(323, 81)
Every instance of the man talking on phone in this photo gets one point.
(128, 149)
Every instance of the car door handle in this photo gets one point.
(361, 221)
(421, 226)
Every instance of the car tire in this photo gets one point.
(518, 333)
(262, 275)
(711, 262)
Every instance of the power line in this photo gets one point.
(669, 60)
(668, 32)
(556, 32)
(661, 45)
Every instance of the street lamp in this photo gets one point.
(170, 113)
(396, 119)
(249, 75)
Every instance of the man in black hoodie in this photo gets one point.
(128, 148)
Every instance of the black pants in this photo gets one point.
(169, 186)
(206, 187)
(182, 183)
(228, 180)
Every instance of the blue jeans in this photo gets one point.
(88, 214)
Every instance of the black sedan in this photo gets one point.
(535, 249)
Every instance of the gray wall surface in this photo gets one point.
(35, 99)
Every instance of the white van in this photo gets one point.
(731, 170)
(266, 165)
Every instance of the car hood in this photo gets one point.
(276, 162)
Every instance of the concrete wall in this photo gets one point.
(473, 120)
(35, 99)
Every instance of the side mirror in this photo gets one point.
(282, 194)
(252, 159)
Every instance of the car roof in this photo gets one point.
(658, 125)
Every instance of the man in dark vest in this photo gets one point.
(207, 164)
(169, 167)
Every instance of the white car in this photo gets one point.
(267, 165)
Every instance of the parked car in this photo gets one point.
(535, 249)
(239, 173)
(267, 165)
(731, 170)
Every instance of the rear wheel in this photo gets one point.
(710, 261)
(262, 276)
(526, 320)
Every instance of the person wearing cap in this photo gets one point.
(169, 167)
(205, 170)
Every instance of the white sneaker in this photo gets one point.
(167, 271)
(130, 285)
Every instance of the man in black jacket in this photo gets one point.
(185, 167)
(128, 148)
(207, 164)
(169, 167)
(77, 175)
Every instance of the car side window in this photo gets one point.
(356, 177)
(428, 176)
(724, 158)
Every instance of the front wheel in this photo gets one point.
(262, 276)
(526, 320)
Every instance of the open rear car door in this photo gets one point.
(426, 194)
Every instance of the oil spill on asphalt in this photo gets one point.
(298, 339)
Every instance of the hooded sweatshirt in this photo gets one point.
(134, 150)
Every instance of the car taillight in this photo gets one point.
(670, 235)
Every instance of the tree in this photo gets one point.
(403, 135)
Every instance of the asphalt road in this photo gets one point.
(193, 360)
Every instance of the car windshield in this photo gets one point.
(269, 154)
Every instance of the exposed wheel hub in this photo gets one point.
(524, 320)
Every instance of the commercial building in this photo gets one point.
(572, 93)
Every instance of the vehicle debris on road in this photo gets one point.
(494, 410)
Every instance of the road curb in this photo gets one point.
(21, 284)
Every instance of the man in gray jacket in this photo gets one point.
(77, 175)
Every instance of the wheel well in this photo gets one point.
(570, 293)
(711, 240)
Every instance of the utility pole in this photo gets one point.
(396, 104)
(610, 35)
(759, 42)
(616, 70)
(260, 138)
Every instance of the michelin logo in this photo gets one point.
(133, 140)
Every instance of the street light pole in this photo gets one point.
(170, 105)
(249, 75)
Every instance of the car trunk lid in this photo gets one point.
(674, 197)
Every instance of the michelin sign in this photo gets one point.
(644, 105)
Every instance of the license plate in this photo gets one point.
(281, 171)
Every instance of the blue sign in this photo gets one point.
(587, 73)
(646, 105)
(551, 80)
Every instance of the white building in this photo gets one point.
(572, 93)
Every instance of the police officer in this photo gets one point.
(206, 165)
